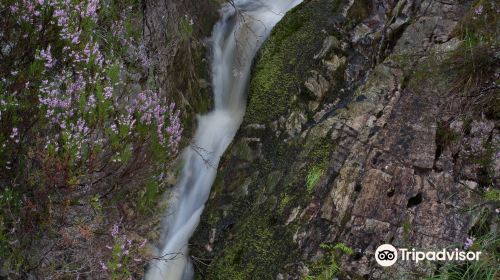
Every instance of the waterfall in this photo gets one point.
(236, 37)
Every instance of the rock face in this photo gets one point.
(351, 136)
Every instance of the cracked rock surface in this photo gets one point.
(350, 136)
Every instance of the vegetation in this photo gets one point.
(329, 265)
(75, 129)
(313, 177)
(486, 268)
(277, 79)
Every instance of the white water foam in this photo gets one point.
(235, 40)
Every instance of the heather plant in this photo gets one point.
(72, 129)
(125, 253)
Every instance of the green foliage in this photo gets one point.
(149, 197)
(96, 204)
(474, 64)
(313, 178)
(10, 249)
(52, 165)
(117, 266)
(328, 267)
(186, 28)
(492, 194)
(486, 268)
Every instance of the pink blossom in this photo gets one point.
(469, 242)
(47, 55)
(14, 135)
(108, 92)
(115, 230)
(103, 266)
(479, 10)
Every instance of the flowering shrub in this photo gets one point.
(123, 252)
(72, 122)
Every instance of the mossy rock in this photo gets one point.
(259, 185)
(279, 72)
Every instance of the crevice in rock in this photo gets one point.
(390, 192)
(414, 201)
(358, 187)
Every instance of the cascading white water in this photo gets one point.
(237, 36)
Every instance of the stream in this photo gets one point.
(236, 37)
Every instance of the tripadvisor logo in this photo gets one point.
(387, 255)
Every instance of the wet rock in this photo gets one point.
(294, 123)
(360, 32)
(362, 165)
(329, 43)
(334, 63)
(317, 84)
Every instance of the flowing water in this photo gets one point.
(237, 36)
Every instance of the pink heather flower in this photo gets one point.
(92, 8)
(103, 266)
(91, 100)
(114, 128)
(174, 129)
(29, 6)
(143, 243)
(76, 37)
(108, 92)
(14, 133)
(469, 242)
(115, 230)
(479, 10)
(47, 55)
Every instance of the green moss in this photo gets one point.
(358, 12)
(253, 252)
(492, 195)
(406, 229)
(278, 74)
(284, 202)
(252, 239)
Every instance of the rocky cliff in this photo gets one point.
(368, 122)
